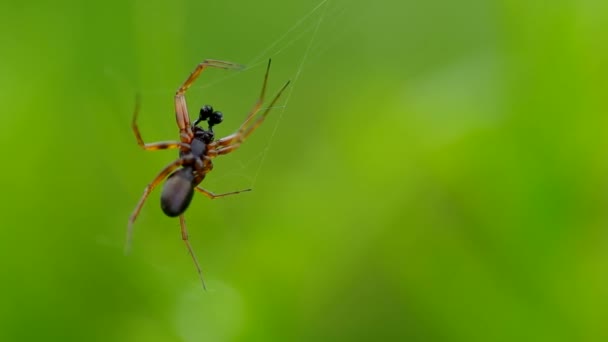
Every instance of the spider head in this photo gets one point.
(212, 117)
(203, 135)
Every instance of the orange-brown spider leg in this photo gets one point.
(233, 141)
(229, 140)
(214, 196)
(181, 111)
(182, 222)
(159, 178)
(260, 101)
(161, 145)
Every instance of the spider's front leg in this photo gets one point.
(234, 141)
(161, 145)
(181, 110)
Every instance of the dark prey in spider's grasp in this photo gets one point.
(197, 147)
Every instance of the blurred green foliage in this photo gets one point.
(437, 172)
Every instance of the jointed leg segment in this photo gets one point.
(211, 195)
(181, 110)
(260, 101)
(201, 67)
(161, 145)
(182, 222)
(233, 141)
(159, 178)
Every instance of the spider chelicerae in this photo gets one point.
(197, 147)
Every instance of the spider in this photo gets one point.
(197, 147)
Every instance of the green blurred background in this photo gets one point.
(437, 172)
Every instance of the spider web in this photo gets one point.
(295, 79)
(304, 35)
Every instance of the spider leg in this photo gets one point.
(202, 167)
(159, 178)
(233, 141)
(214, 196)
(256, 108)
(260, 101)
(181, 110)
(162, 145)
(182, 222)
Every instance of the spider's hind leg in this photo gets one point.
(182, 222)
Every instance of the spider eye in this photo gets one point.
(205, 112)
(216, 118)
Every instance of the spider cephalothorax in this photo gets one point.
(197, 147)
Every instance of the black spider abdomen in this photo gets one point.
(177, 193)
